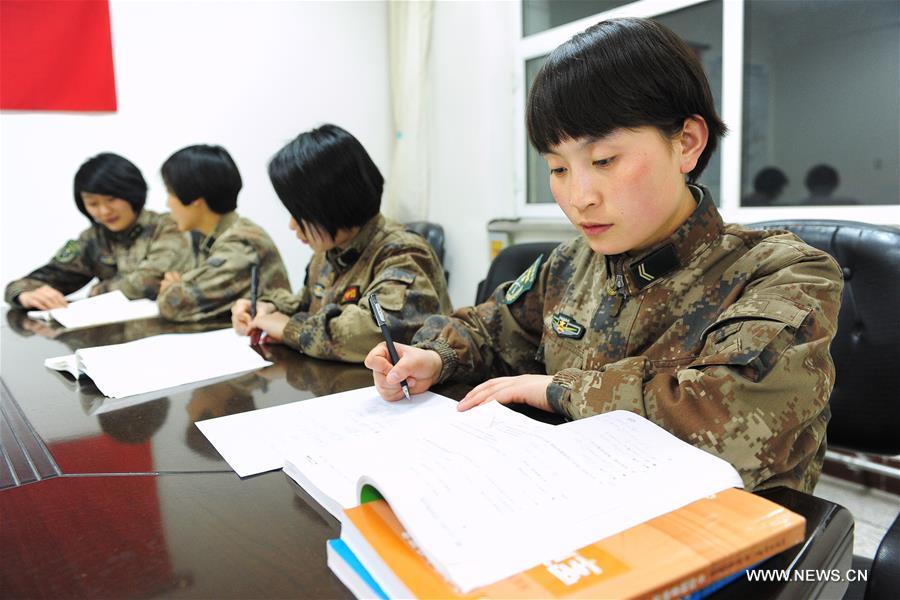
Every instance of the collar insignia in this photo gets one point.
(657, 264)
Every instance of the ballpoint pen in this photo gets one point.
(378, 315)
(254, 292)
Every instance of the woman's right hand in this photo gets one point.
(420, 368)
(43, 298)
(240, 314)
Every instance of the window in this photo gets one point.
(810, 91)
(821, 103)
(540, 15)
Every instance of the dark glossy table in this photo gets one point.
(135, 502)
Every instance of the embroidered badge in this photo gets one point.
(109, 261)
(351, 295)
(567, 327)
(69, 252)
(524, 282)
(318, 290)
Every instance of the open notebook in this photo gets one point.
(464, 487)
(161, 362)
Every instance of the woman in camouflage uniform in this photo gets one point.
(332, 189)
(203, 183)
(717, 333)
(127, 247)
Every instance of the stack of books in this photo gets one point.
(492, 504)
(691, 551)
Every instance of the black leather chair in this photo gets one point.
(884, 575)
(509, 264)
(865, 403)
(434, 234)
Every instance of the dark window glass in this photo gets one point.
(821, 103)
(540, 15)
(699, 25)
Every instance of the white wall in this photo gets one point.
(248, 75)
(471, 120)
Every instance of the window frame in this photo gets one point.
(541, 44)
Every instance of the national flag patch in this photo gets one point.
(351, 295)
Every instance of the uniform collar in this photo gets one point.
(701, 228)
(133, 232)
(222, 226)
(344, 257)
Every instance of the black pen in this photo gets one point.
(378, 315)
(254, 292)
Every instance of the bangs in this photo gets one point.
(621, 73)
(584, 91)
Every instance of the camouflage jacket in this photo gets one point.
(133, 261)
(720, 334)
(331, 313)
(221, 272)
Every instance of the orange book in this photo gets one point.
(666, 557)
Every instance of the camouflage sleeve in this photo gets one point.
(70, 269)
(169, 250)
(497, 338)
(756, 396)
(287, 303)
(209, 290)
(405, 284)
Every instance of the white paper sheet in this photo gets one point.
(163, 362)
(260, 440)
(330, 471)
(111, 307)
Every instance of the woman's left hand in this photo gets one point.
(523, 389)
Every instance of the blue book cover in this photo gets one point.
(349, 558)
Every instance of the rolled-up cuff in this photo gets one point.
(449, 358)
(17, 287)
(291, 335)
(559, 392)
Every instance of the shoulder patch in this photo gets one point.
(524, 282)
(69, 252)
(215, 261)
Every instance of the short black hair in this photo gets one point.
(822, 178)
(109, 174)
(203, 171)
(325, 178)
(621, 73)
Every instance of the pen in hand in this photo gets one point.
(254, 292)
(378, 315)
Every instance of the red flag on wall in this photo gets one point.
(56, 55)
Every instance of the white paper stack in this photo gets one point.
(162, 362)
(105, 308)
